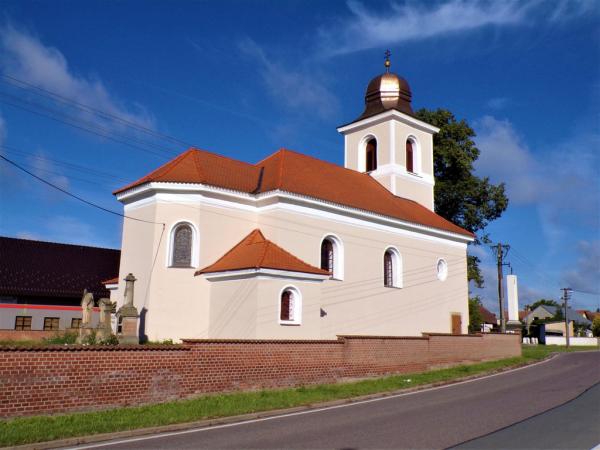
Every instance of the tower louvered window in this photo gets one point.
(182, 246)
(371, 155)
(409, 157)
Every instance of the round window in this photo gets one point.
(442, 269)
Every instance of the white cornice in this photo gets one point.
(400, 171)
(385, 116)
(156, 192)
(263, 273)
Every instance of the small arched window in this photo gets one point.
(290, 306)
(371, 155)
(392, 268)
(332, 257)
(327, 255)
(181, 248)
(410, 164)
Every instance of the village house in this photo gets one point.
(41, 284)
(294, 247)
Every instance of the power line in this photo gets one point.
(68, 165)
(71, 102)
(81, 199)
(82, 125)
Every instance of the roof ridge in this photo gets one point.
(266, 243)
(280, 178)
(293, 256)
(277, 152)
(240, 243)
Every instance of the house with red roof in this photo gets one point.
(295, 247)
(41, 284)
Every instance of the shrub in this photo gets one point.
(66, 338)
(596, 326)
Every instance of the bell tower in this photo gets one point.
(389, 143)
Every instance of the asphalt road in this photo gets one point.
(435, 418)
(576, 424)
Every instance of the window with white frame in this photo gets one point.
(290, 306)
(392, 268)
(182, 246)
(332, 256)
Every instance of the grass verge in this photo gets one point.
(45, 428)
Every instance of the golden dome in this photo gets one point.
(387, 91)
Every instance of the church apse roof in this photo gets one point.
(257, 252)
(294, 172)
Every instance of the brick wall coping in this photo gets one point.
(470, 335)
(78, 348)
(359, 336)
(261, 341)
(476, 335)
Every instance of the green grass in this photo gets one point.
(45, 428)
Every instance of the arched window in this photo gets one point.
(392, 268)
(327, 255)
(182, 245)
(410, 166)
(332, 257)
(290, 306)
(371, 155)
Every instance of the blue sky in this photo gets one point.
(244, 78)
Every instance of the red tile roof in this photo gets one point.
(256, 252)
(49, 269)
(488, 316)
(294, 172)
(114, 280)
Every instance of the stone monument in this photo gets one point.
(87, 305)
(104, 330)
(127, 316)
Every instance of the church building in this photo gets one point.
(294, 247)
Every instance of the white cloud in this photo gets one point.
(366, 28)
(586, 275)
(498, 103)
(29, 235)
(66, 229)
(505, 157)
(295, 89)
(46, 169)
(24, 56)
(559, 180)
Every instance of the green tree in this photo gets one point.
(460, 196)
(596, 326)
(475, 316)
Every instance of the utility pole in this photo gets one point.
(566, 295)
(501, 251)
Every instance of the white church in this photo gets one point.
(294, 247)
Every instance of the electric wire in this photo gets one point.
(77, 197)
(22, 84)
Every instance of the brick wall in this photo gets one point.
(74, 378)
